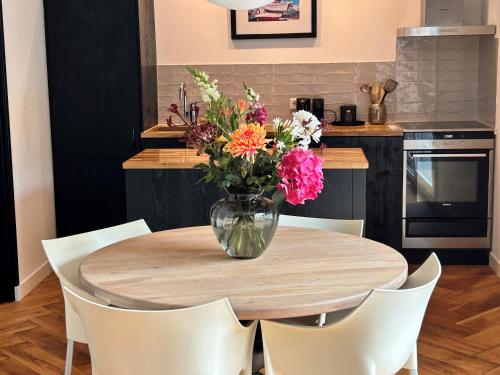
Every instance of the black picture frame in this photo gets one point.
(312, 34)
(9, 272)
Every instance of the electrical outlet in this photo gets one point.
(293, 104)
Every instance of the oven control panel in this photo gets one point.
(445, 144)
(449, 136)
(449, 141)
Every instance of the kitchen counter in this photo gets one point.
(163, 188)
(334, 158)
(163, 131)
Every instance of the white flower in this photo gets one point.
(280, 145)
(304, 126)
(251, 95)
(304, 143)
(317, 136)
(276, 123)
(208, 90)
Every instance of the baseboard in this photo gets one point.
(495, 264)
(28, 284)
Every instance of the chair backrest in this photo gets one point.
(207, 339)
(376, 338)
(66, 254)
(354, 227)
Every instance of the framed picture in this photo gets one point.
(278, 19)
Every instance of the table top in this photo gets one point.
(303, 272)
(183, 158)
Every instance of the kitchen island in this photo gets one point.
(383, 147)
(162, 188)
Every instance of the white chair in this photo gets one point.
(203, 340)
(377, 338)
(65, 256)
(354, 227)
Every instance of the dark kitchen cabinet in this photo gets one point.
(90, 194)
(384, 185)
(173, 198)
(102, 85)
(9, 275)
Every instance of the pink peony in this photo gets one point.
(301, 174)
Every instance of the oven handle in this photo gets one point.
(449, 155)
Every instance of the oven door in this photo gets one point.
(447, 184)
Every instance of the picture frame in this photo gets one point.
(299, 20)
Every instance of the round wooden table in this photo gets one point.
(303, 272)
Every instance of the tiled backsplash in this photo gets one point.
(487, 80)
(447, 78)
(440, 79)
(277, 83)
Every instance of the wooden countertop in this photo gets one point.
(387, 130)
(183, 158)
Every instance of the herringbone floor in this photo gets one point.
(461, 333)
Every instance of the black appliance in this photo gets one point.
(318, 108)
(102, 87)
(303, 104)
(447, 189)
(348, 115)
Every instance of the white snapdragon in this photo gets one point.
(209, 90)
(251, 95)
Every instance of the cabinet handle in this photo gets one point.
(431, 156)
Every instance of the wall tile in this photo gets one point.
(250, 69)
(440, 78)
(487, 78)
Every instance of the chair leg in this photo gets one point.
(69, 357)
(412, 363)
(322, 320)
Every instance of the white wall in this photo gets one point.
(494, 18)
(30, 136)
(198, 32)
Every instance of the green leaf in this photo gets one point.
(202, 166)
(278, 197)
(244, 170)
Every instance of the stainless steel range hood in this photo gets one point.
(451, 17)
(447, 30)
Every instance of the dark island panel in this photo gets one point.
(172, 198)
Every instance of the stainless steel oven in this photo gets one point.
(447, 190)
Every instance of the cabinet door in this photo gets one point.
(169, 199)
(94, 77)
(90, 194)
(9, 277)
(384, 185)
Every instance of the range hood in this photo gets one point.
(447, 30)
(451, 17)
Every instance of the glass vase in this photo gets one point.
(244, 224)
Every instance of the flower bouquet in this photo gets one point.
(247, 164)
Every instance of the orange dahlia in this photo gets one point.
(247, 140)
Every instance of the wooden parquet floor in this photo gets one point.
(460, 335)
